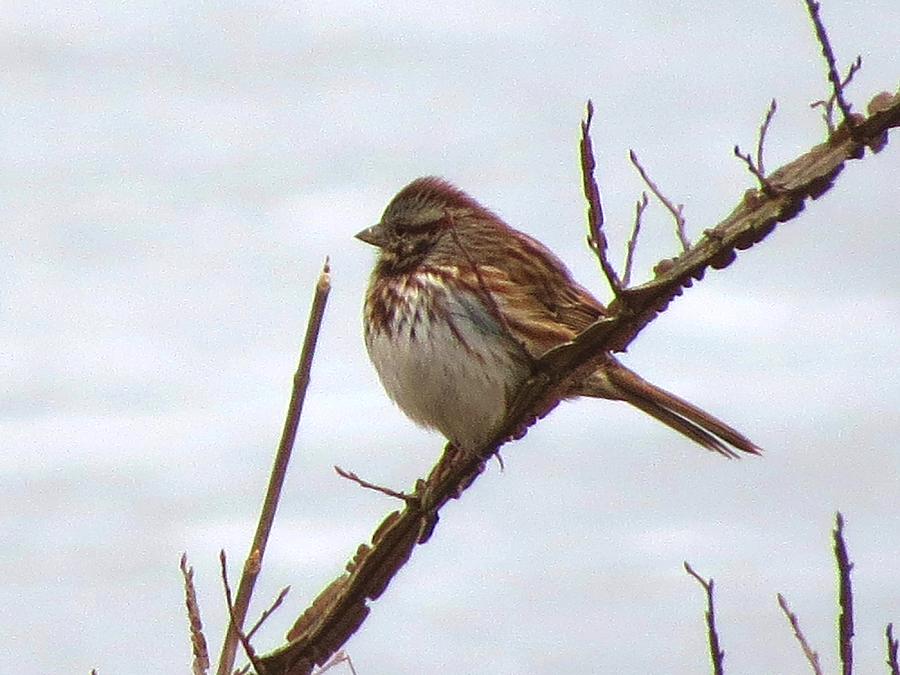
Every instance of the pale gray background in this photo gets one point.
(173, 175)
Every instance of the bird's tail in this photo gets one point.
(614, 381)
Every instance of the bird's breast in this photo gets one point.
(441, 354)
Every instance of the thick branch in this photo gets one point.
(342, 607)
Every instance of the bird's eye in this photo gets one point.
(422, 221)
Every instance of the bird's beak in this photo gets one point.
(373, 235)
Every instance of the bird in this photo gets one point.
(459, 306)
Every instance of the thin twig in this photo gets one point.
(596, 237)
(752, 168)
(279, 469)
(892, 645)
(244, 640)
(338, 658)
(845, 621)
(200, 665)
(676, 211)
(828, 106)
(716, 654)
(639, 206)
(763, 129)
(758, 168)
(828, 53)
(349, 475)
(266, 614)
(810, 654)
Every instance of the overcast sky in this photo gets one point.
(172, 176)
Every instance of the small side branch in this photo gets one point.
(268, 612)
(892, 650)
(763, 129)
(758, 168)
(639, 207)
(828, 106)
(349, 475)
(596, 237)
(676, 211)
(715, 652)
(244, 640)
(813, 7)
(845, 621)
(340, 657)
(810, 654)
(200, 665)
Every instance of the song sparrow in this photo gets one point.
(460, 304)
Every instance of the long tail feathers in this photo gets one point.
(615, 381)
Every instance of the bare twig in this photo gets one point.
(349, 475)
(279, 469)
(340, 657)
(676, 211)
(892, 645)
(811, 655)
(752, 168)
(763, 129)
(828, 106)
(833, 76)
(758, 168)
(244, 640)
(267, 613)
(845, 621)
(717, 655)
(596, 237)
(639, 206)
(200, 665)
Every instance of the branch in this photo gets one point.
(828, 106)
(268, 612)
(833, 77)
(639, 207)
(200, 665)
(232, 615)
(279, 469)
(340, 657)
(811, 655)
(342, 607)
(892, 650)
(845, 621)
(349, 475)
(596, 237)
(758, 168)
(770, 113)
(716, 654)
(676, 211)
